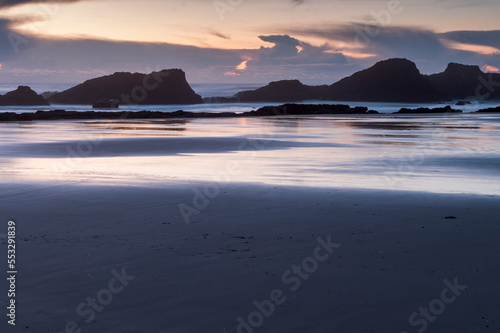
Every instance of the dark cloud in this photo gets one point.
(290, 58)
(289, 50)
(488, 38)
(284, 46)
(74, 60)
(423, 46)
(383, 40)
(12, 3)
(218, 34)
(12, 42)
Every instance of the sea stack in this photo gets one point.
(22, 96)
(157, 88)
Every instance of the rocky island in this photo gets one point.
(392, 80)
(157, 88)
(22, 96)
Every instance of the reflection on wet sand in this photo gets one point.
(146, 127)
(389, 126)
(436, 154)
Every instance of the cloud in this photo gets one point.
(384, 41)
(289, 50)
(284, 46)
(75, 60)
(60, 60)
(488, 38)
(11, 42)
(218, 34)
(290, 58)
(31, 59)
(12, 3)
(430, 50)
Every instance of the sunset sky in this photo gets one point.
(241, 41)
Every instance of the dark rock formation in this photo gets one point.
(164, 87)
(466, 82)
(23, 95)
(106, 104)
(393, 80)
(282, 91)
(490, 110)
(308, 109)
(446, 109)
(287, 109)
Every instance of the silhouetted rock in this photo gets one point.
(106, 104)
(164, 87)
(393, 80)
(308, 109)
(23, 95)
(287, 109)
(446, 109)
(282, 91)
(466, 82)
(490, 110)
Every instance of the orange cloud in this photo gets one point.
(242, 66)
(481, 49)
(485, 68)
(355, 55)
(231, 74)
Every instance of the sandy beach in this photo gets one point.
(392, 252)
(186, 231)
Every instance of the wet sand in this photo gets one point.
(392, 252)
(295, 224)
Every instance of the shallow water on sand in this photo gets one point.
(443, 154)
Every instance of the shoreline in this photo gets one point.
(281, 110)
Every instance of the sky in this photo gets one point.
(241, 41)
